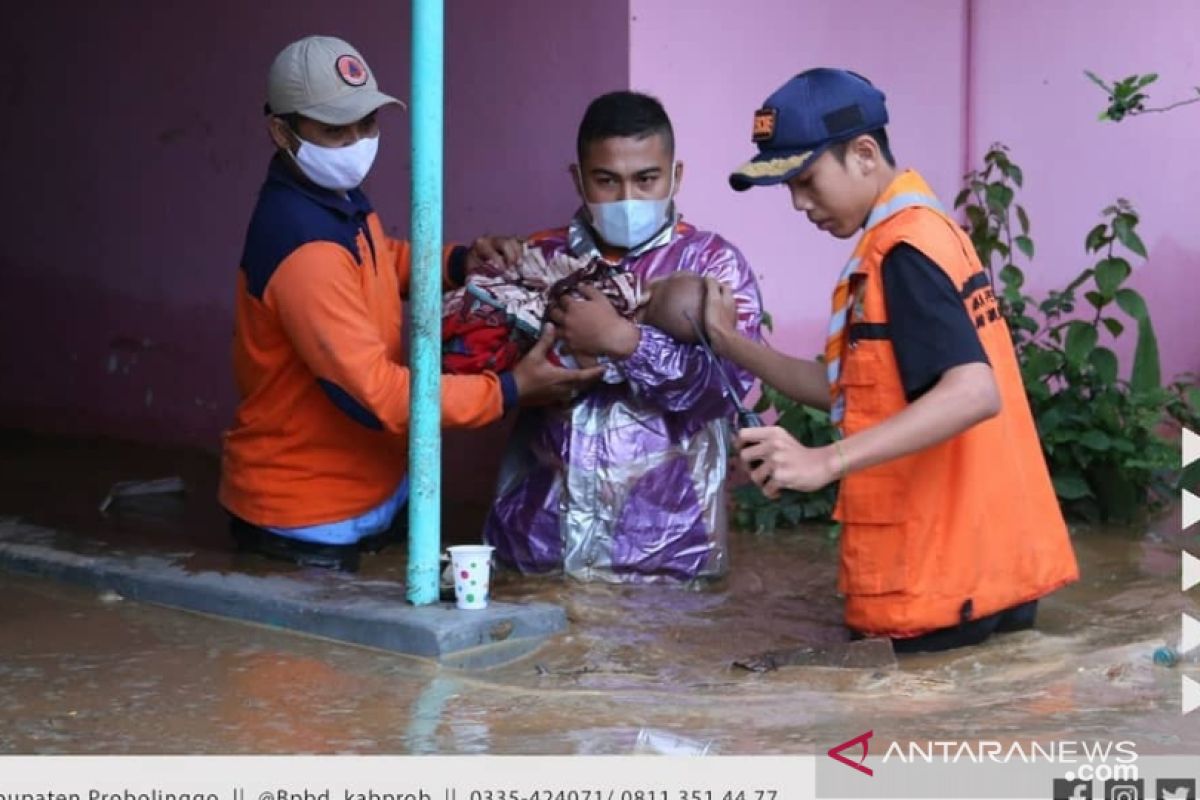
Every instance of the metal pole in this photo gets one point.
(425, 436)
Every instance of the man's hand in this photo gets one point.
(506, 249)
(786, 464)
(541, 383)
(591, 326)
(720, 315)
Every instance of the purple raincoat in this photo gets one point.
(628, 483)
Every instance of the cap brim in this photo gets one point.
(350, 108)
(767, 169)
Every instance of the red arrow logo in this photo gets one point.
(863, 738)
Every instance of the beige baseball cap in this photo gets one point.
(324, 78)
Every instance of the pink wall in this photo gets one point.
(135, 146)
(714, 65)
(519, 75)
(1032, 94)
(134, 150)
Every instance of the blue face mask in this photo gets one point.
(628, 223)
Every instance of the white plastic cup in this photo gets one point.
(472, 566)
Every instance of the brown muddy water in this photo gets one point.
(82, 672)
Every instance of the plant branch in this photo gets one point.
(1165, 108)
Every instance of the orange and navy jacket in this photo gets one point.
(967, 527)
(320, 432)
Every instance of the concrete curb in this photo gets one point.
(327, 604)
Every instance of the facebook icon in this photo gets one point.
(1072, 790)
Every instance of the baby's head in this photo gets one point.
(671, 301)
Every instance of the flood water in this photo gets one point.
(86, 672)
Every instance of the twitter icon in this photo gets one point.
(1175, 789)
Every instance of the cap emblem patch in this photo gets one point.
(351, 70)
(764, 124)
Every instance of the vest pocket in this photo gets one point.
(874, 546)
(859, 379)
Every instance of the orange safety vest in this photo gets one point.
(962, 529)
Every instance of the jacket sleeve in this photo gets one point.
(398, 253)
(318, 299)
(681, 377)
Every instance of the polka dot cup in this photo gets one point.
(472, 565)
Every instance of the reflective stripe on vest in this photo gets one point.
(902, 194)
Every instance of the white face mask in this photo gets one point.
(628, 223)
(337, 168)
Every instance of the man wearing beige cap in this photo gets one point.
(314, 465)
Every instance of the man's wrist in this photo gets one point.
(719, 341)
(836, 463)
(625, 341)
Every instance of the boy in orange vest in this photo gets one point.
(950, 527)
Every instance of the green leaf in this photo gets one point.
(1110, 274)
(1079, 280)
(962, 197)
(1010, 170)
(1025, 323)
(1119, 492)
(1123, 446)
(1017, 175)
(1123, 226)
(1071, 487)
(1123, 88)
(768, 321)
(1038, 392)
(1097, 81)
(1096, 299)
(1012, 276)
(1039, 363)
(1025, 244)
(1095, 440)
(1114, 326)
(977, 217)
(1192, 394)
(1023, 219)
(1081, 340)
(1146, 373)
(1132, 304)
(1097, 238)
(1105, 363)
(1147, 79)
(999, 197)
(1049, 421)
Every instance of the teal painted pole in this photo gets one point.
(425, 434)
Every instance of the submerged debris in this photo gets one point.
(171, 485)
(865, 653)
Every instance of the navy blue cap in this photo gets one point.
(803, 118)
